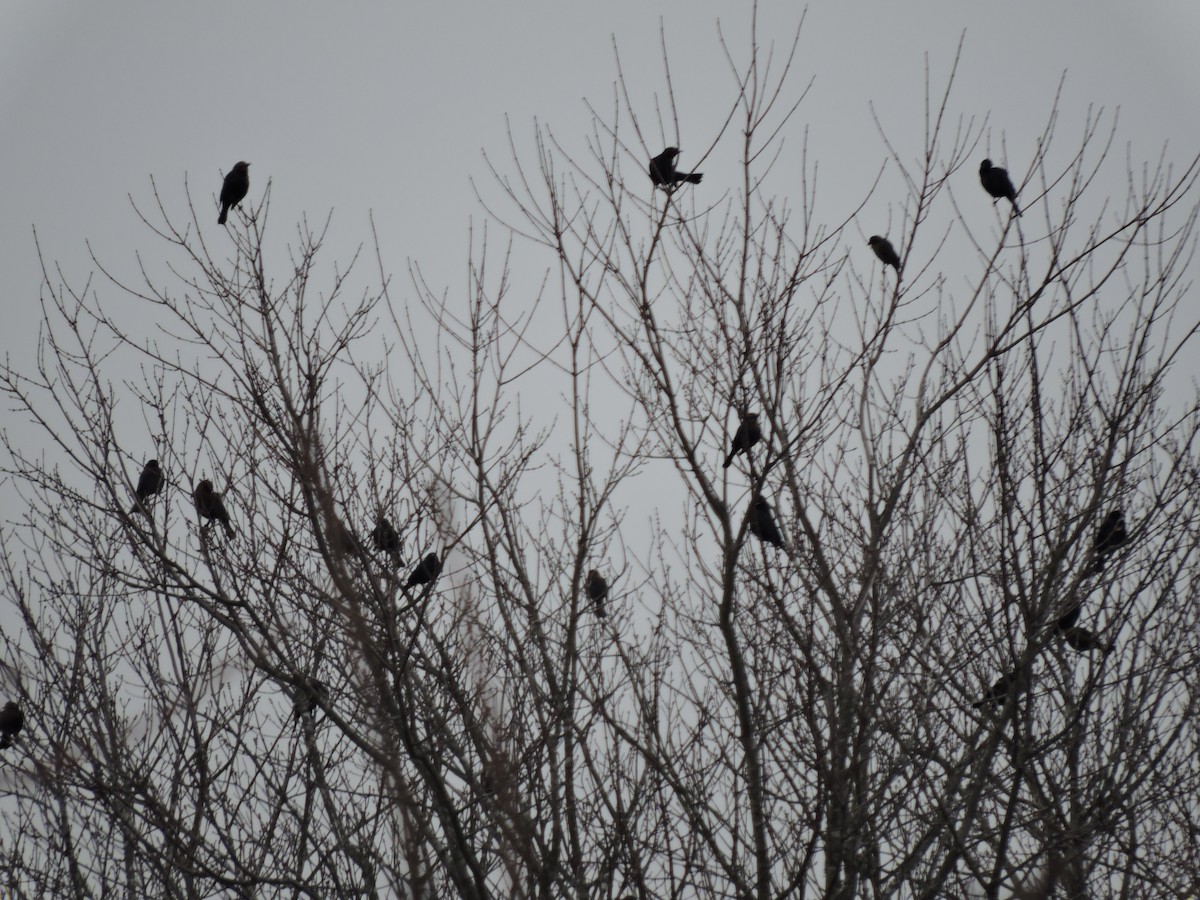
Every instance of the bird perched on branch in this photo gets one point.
(762, 523)
(664, 174)
(12, 720)
(210, 505)
(234, 189)
(385, 539)
(998, 692)
(1084, 640)
(150, 482)
(1068, 619)
(996, 182)
(885, 251)
(425, 572)
(1109, 536)
(747, 435)
(311, 694)
(597, 590)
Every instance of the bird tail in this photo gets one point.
(5, 742)
(729, 459)
(601, 612)
(694, 178)
(224, 213)
(228, 529)
(137, 508)
(1098, 564)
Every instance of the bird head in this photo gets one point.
(672, 152)
(751, 417)
(242, 165)
(985, 165)
(874, 239)
(153, 464)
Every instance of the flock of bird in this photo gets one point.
(210, 505)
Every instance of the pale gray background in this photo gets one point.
(386, 109)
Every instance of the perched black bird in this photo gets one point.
(426, 571)
(386, 540)
(310, 695)
(1068, 619)
(664, 174)
(12, 720)
(762, 523)
(996, 182)
(234, 189)
(210, 505)
(1084, 640)
(1109, 536)
(597, 590)
(998, 692)
(885, 251)
(150, 482)
(747, 435)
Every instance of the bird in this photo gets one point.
(597, 590)
(210, 505)
(1068, 619)
(762, 523)
(311, 694)
(1084, 640)
(885, 251)
(1109, 536)
(150, 482)
(385, 539)
(12, 720)
(998, 692)
(234, 189)
(748, 434)
(664, 174)
(425, 572)
(996, 182)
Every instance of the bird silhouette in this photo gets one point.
(12, 720)
(425, 572)
(597, 590)
(664, 174)
(747, 435)
(998, 692)
(1070, 617)
(997, 183)
(234, 189)
(885, 251)
(1109, 536)
(762, 523)
(150, 482)
(1084, 640)
(210, 505)
(385, 539)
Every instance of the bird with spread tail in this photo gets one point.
(664, 174)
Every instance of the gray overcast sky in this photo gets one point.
(386, 108)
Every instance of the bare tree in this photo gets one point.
(880, 704)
